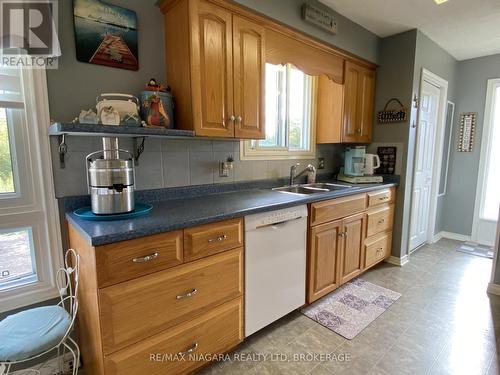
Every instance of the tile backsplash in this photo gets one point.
(177, 162)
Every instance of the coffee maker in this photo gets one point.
(356, 170)
(110, 179)
(354, 161)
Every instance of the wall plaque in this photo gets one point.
(467, 130)
(319, 17)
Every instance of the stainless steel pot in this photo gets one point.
(111, 179)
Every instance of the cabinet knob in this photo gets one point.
(232, 118)
(381, 221)
(358, 130)
(239, 119)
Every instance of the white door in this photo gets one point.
(488, 187)
(424, 160)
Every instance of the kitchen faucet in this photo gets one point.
(294, 175)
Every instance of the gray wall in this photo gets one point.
(401, 59)
(167, 163)
(472, 77)
(432, 57)
(75, 85)
(177, 162)
(395, 80)
(351, 37)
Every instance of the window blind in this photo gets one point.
(11, 93)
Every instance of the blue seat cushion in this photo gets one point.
(31, 332)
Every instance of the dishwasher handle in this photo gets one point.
(279, 223)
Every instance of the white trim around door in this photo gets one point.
(486, 138)
(442, 85)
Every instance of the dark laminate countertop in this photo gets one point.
(180, 213)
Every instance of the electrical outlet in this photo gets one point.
(321, 163)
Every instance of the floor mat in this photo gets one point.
(475, 249)
(352, 307)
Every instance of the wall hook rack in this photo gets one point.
(62, 149)
(138, 148)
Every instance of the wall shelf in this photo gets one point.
(97, 130)
(138, 133)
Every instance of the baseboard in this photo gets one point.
(493, 289)
(451, 236)
(397, 261)
(437, 237)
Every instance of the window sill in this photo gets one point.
(247, 153)
(26, 295)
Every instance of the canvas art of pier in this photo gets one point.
(105, 34)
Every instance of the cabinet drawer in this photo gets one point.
(380, 197)
(126, 260)
(323, 212)
(213, 333)
(205, 240)
(379, 220)
(136, 309)
(377, 248)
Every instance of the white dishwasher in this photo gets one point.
(275, 265)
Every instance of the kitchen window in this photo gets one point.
(30, 245)
(289, 116)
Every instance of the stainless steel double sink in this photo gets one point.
(316, 188)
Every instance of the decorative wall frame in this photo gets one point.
(467, 132)
(105, 34)
(392, 115)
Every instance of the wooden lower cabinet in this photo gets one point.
(139, 308)
(324, 247)
(194, 307)
(352, 254)
(377, 248)
(347, 236)
(183, 348)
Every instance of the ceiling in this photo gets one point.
(464, 28)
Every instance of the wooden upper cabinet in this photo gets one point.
(325, 243)
(249, 78)
(359, 87)
(329, 110)
(212, 71)
(215, 66)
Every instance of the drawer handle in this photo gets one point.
(189, 350)
(187, 295)
(218, 239)
(384, 198)
(343, 234)
(147, 258)
(381, 221)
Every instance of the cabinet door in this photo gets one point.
(358, 103)
(325, 243)
(365, 101)
(249, 78)
(329, 110)
(212, 70)
(351, 257)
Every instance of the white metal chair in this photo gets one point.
(31, 334)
